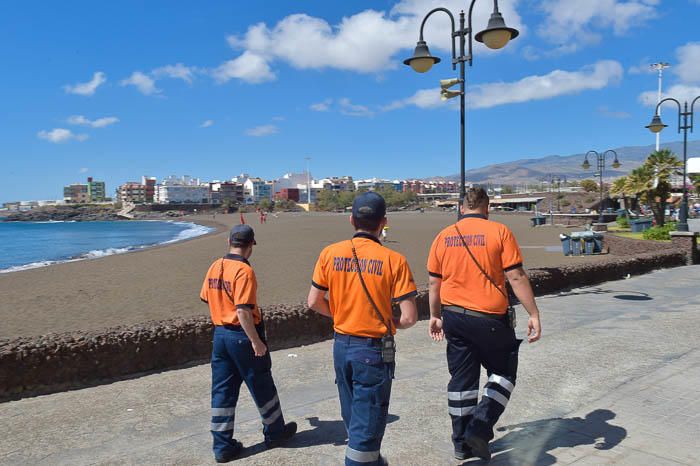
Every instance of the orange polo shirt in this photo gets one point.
(230, 284)
(385, 272)
(463, 284)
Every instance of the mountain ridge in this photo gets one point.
(531, 170)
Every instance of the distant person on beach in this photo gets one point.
(468, 265)
(363, 278)
(385, 232)
(239, 351)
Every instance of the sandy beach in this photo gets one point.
(164, 282)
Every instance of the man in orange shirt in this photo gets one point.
(468, 265)
(363, 279)
(239, 352)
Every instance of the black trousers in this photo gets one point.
(473, 342)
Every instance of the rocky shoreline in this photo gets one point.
(77, 213)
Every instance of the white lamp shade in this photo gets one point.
(422, 65)
(496, 39)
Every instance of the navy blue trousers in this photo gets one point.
(364, 388)
(473, 342)
(232, 363)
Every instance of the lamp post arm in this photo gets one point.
(592, 152)
(452, 35)
(680, 109)
(611, 151)
(666, 100)
(469, 26)
(692, 112)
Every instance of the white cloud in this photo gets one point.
(144, 83)
(263, 130)
(350, 109)
(554, 84)
(278, 118)
(321, 106)
(547, 86)
(80, 120)
(688, 67)
(682, 92)
(89, 87)
(60, 135)
(424, 98)
(366, 42)
(206, 124)
(608, 113)
(84, 170)
(249, 67)
(176, 71)
(643, 67)
(571, 27)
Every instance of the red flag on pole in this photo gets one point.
(242, 219)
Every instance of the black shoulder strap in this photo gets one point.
(488, 277)
(223, 284)
(364, 287)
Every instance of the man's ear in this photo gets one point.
(352, 221)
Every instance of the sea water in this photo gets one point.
(26, 245)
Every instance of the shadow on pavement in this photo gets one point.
(628, 295)
(323, 433)
(634, 297)
(532, 443)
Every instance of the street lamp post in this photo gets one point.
(308, 182)
(600, 159)
(656, 126)
(558, 180)
(659, 67)
(495, 36)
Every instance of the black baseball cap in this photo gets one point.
(242, 234)
(369, 206)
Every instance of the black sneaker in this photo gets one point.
(463, 452)
(232, 454)
(288, 432)
(479, 447)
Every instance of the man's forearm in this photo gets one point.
(245, 317)
(322, 307)
(523, 291)
(434, 300)
(409, 314)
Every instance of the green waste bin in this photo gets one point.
(539, 220)
(639, 225)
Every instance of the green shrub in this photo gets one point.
(660, 233)
(623, 222)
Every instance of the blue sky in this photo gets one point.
(116, 90)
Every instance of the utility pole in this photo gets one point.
(660, 67)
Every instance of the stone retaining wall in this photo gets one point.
(54, 362)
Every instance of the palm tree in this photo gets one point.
(637, 183)
(617, 188)
(652, 183)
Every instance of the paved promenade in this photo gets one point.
(613, 381)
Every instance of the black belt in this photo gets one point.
(369, 341)
(469, 312)
(239, 328)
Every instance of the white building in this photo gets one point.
(184, 190)
(373, 184)
(257, 189)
